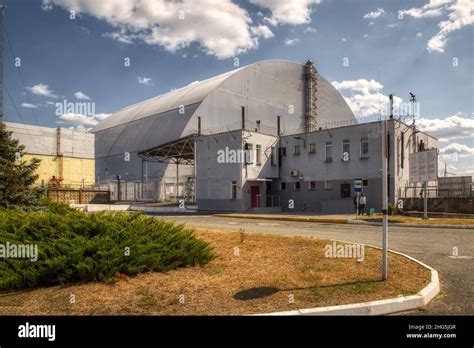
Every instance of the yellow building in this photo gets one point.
(67, 156)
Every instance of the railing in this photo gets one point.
(268, 201)
(464, 191)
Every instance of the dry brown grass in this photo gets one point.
(294, 265)
(420, 221)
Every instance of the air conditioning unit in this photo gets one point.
(295, 173)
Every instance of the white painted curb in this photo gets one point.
(394, 224)
(380, 307)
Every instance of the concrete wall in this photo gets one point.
(310, 166)
(213, 184)
(76, 171)
(313, 166)
(41, 142)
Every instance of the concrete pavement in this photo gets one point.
(435, 247)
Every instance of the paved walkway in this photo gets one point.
(432, 246)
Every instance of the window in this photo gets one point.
(328, 185)
(346, 150)
(345, 190)
(329, 151)
(248, 153)
(402, 149)
(297, 150)
(364, 147)
(312, 148)
(297, 186)
(258, 149)
(283, 186)
(282, 151)
(273, 156)
(233, 190)
(312, 185)
(365, 183)
(269, 186)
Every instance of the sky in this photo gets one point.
(113, 53)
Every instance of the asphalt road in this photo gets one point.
(433, 246)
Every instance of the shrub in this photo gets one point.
(393, 209)
(77, 246)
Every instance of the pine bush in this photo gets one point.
(77, 246)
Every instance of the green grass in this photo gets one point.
(77, 246)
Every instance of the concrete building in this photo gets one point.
(271, 135)
(67, 156)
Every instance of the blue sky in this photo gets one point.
(425, 47)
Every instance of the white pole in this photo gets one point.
(357, 205)
(384, 201)
(425, 202)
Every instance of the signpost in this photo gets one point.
(423, 167)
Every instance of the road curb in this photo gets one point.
(380, 307)
(276, 218)
(339, 221)
(394, 224)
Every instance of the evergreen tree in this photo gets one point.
(17, 176)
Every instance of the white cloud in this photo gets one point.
(434, 8)
(455, 148)
(361, 85)
(83, 120)
(366, 36)
(309, 30)
(221, 28)
(29, 106)
(263, 31)
(452, 127)
(375, 14)
(81, 96)
(291, 42)
(80, 128)
(343, 39)
(42, 90)
(102, 116)
(145, 81)
(294, 12)
(459, 14)
(392, 25)
(419, 34)
(365, 97)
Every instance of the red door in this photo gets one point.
(254, 192)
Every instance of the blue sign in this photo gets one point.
(358, 185)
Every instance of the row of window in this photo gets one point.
(312, 185)
(346, 149)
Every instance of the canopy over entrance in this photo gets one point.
(179, 151)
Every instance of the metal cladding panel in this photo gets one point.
(142, 134)
(188, 95)
(268, 89)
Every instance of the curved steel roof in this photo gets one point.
(191, 94)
